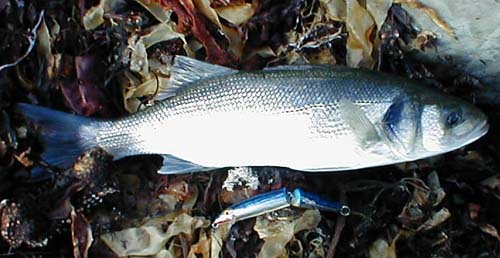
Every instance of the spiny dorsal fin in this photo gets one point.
(186, 70)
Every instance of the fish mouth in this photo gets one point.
(482, 129)
(478, 132)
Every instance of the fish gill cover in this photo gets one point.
(109, 58)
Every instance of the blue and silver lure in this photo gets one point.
(276, 200)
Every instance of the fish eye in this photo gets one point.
(453, 118)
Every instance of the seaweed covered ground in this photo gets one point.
(107, 59)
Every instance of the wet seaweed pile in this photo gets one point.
(108, 58)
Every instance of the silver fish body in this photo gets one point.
(309, 118)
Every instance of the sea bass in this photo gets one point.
(304, 117)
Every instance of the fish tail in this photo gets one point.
(64, 136)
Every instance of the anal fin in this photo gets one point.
(174, 165)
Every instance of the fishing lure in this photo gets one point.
(276, 200)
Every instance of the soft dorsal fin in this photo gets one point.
(186, 70)
(299, 67)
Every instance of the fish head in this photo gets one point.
(227, 216)
(448, 123)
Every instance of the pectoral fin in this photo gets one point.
(360, 124)
(174, 165)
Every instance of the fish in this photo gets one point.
(312, 118)
(275, 200)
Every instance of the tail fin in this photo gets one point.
(64, 136)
